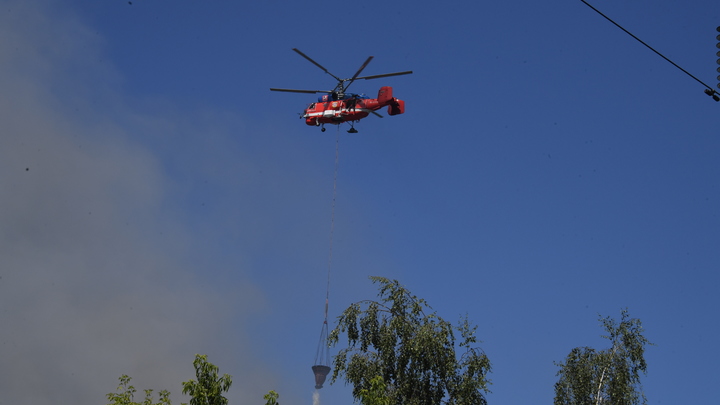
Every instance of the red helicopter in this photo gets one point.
(337, 106)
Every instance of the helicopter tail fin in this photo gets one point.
(385, 95)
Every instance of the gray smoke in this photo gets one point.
(98, 264)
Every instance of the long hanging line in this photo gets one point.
(332, 218)
(322, 356)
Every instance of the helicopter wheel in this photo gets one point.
(322, 129)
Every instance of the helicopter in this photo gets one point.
(338, 106)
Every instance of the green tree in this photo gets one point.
(376, 394)
(610, 376)
(271, 398)
(414, 352)
(208, 388)
(126, 392)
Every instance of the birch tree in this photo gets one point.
(610, 376)
(397, 342)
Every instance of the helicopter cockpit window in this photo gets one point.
(311, 106)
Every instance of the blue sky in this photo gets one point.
(159, 201)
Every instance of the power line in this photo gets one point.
(710, 91)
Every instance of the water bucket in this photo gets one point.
(321, 373)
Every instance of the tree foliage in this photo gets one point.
(126, 392)
(208, 388)
(610, 376)
(414, 352)
(271, 398)
(376, 394)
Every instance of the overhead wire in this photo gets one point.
(712, 91)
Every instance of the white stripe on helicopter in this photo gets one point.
(334, 113)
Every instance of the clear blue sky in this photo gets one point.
(159, 201)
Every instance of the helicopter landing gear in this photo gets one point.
(322, 129)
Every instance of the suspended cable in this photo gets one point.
(332, 217)
(322, 356)
(709, 90)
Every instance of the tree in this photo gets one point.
(271, 398)
(208, 388)
(610, 376)
(376, 394)
(414, 352)
(126, 392)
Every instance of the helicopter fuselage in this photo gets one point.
(354, 108)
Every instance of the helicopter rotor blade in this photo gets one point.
(300, 91)
(364, 65)
(385, 75)
(376, 114)
(316, 64)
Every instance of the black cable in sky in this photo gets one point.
(709, 91)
